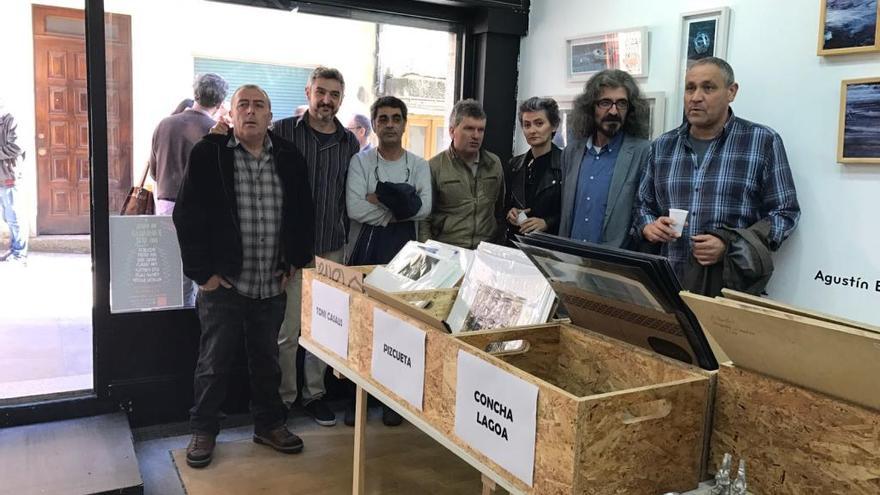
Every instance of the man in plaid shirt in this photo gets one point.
(724, 170)
(245, 223)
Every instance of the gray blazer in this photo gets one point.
(628, 171)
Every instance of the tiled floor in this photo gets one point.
(46, 329)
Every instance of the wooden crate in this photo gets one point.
(800, 400)
(794, 440)
(611, 418)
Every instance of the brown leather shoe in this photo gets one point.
(200, 450)
(280, 439)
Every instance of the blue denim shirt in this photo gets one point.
(594, 180)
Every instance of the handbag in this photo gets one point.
(140, 199)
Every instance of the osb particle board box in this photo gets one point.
(611, 417)
(800, 398)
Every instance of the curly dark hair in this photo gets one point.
(583, 115)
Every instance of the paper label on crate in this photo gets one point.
(330, 317)
(495, 413)
(399, 357)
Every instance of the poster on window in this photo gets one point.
(145, 267)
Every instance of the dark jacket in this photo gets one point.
(746, 265)
(206, 212)
(547, 200)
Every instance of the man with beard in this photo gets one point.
(602, 165)
(328, 147)
(733, 178)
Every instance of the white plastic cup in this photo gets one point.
(522, 217)
(678, 217)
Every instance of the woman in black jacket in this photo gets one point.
(534, 179)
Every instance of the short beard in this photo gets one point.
(609, 133)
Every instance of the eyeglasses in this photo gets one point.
(605, 104)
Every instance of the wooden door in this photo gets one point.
(423, 135)
(62, 130)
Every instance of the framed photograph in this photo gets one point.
(626, 50)
(858, 138)
(657, 113)
(564, 132)
(703, 34)
(848, 26)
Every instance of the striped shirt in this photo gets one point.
(743, 178)
(328, 169)
(260, 195)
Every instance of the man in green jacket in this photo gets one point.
(468, 184)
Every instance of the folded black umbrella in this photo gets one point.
(401, 198)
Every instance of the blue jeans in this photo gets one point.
(229, 319)
(18, 231)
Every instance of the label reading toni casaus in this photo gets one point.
(330, 317)
(398, 357)
(495, 413)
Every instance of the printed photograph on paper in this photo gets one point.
(493, 308)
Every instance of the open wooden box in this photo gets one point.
(799, 400)
(611, 417)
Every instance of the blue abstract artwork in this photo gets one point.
(849, 24)
(861, 130)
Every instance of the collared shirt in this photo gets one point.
(259, 194)
(743, 178)
(594, 180)
(328, 169)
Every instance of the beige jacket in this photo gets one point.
(467, 209)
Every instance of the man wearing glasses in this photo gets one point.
(360, 126)
(603, 163)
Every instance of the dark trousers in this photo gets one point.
(225, 315)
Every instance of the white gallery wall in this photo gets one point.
(783, 84)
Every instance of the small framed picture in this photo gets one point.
(703, 34)
(564, 133)
(848, 26)
(626, 50)
(656, 113)
(858, 137)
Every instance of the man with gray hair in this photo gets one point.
(732, 177)
(468, 184)
(603, 164)
(173, 140)
(245, 225)
(360, 126)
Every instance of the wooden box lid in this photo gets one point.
(814, 351)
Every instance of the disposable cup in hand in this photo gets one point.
(678, 217)
(522, 217)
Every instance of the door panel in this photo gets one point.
(62, 134)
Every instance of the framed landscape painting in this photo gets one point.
(626, 50)
(848, 26)
(858, 139)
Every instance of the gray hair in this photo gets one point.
(252, 86)
(322, 72)
(546, 105)
(466, 108)
(363, 122)
(209, 90)
(583, 115)
(723, 66)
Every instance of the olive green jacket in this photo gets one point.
(467, 209)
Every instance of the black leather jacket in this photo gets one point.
(547, 196)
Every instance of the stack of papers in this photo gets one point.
(502, 289)
(418, 266)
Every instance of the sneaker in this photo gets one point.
(349, 414)
(320, 412)
(280, 439)
(14, 259)
(390, 416)
(200, 450)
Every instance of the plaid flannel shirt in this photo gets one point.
(744, 178)
(259, 194)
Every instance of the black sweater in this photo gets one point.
(206, 212)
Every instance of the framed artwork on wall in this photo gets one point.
(656, 113)
(626, 50)
(848, 26)
(858, 136)
(703, 34)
